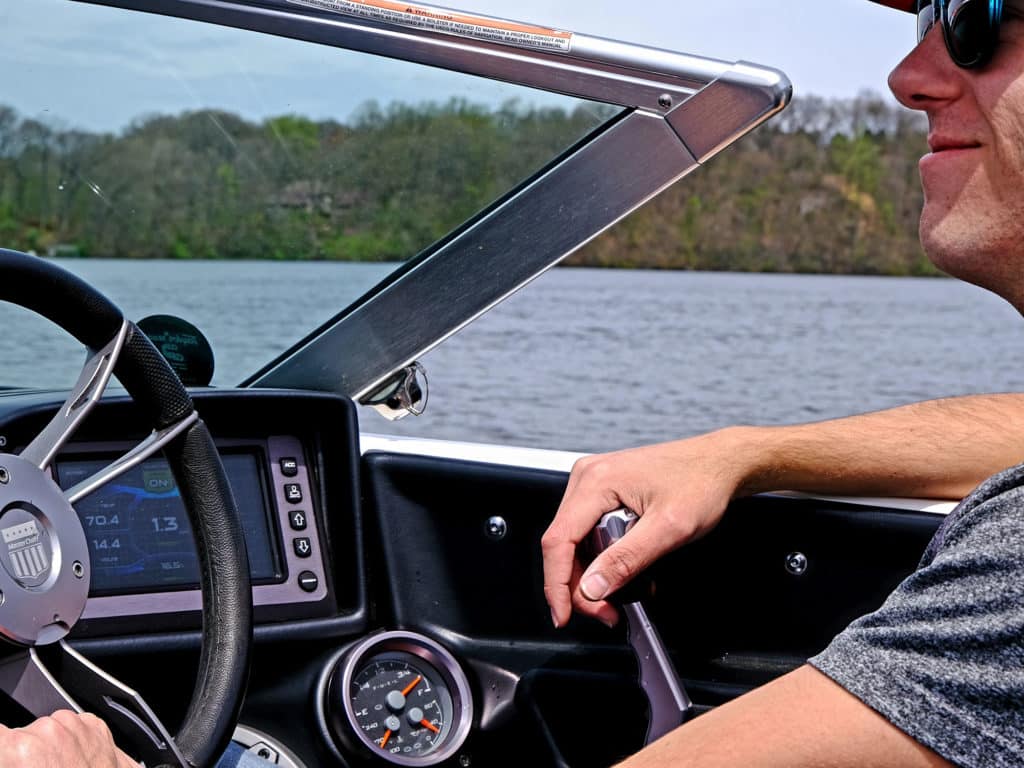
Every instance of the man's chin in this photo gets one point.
(947, 248)
(963, 259)
(950, 238)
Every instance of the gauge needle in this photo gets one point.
(427, 724)
(384, 741)
(413, 684)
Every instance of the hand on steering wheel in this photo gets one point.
(62, 740)
(44, 559)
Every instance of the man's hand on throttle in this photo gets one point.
(680, 491)
(62, 740)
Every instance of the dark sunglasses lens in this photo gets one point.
(970, 30)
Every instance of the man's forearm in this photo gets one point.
(802, 720)
(934, 449)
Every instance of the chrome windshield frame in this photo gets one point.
(678, 110)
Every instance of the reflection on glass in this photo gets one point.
(134, 136)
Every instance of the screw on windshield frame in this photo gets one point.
(5, 476)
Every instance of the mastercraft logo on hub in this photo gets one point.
(26, 551)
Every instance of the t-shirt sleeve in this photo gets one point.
(943, 658)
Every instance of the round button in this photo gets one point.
(308, 581)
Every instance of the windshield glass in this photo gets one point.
(250, 184)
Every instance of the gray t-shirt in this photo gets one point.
(943, 658)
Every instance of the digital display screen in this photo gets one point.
(139, 535)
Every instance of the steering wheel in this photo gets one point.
(44, 558)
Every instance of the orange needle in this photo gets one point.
(412, 685)
(427, 724)
(384, 741)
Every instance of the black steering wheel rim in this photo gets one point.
(90, 317)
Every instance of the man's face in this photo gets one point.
(972, 225)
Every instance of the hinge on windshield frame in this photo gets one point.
(402, 394)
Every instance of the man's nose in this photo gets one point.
(927, 75)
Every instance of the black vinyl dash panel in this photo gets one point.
(727, 607)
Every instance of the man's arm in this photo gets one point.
(935, 449)
(802, 720)
(939, 449)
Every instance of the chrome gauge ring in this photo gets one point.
(400, 697)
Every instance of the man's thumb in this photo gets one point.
(610, 570)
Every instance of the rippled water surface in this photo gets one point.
(593, 359)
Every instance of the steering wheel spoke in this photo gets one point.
(48, 678)
(25, 679)
(151, 445)
(87, 391)
(44, 574)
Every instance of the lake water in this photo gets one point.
(592, 359)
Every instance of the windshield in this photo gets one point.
(250, 184)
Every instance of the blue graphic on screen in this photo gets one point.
(138, 532)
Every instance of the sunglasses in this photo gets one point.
(969, 27)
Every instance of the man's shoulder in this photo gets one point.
(991, 514)
(943, 658)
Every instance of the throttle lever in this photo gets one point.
(669, 705)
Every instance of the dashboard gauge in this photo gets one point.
(401, 698)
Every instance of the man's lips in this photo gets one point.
(945, 151)
(938, 143)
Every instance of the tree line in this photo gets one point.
(828, 186)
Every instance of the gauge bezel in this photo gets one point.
(431, 653)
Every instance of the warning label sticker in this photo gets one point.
(449, 22)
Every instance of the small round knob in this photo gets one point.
(497, 528)
(796, 563)
(395, 701)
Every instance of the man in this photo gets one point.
(936, 676)
(973, 227)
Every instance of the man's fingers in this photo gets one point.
(601, 610)
(94, 741)
(95, 731)
(91, 735)
(559, 548)
(62, 740)
(559, 555)
(622, 561)
(576, 517)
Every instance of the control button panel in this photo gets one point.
(293, 493)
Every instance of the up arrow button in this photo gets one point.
(297, 519)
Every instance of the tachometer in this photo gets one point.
(401, 697)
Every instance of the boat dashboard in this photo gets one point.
(399, 610)
(274, 448)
